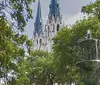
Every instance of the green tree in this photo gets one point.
(92, 9)
(13, 66)
(65, 48)
(18, 10)
(12, 55)
(64, 57)
(42, 71)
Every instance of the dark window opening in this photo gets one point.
(48, 31)
(37, 41)
(58, 27)
(40, 41)
(53, 28)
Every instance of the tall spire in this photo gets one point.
(38, 27)
(54, 10)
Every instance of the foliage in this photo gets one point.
(12, 55)
(19, 10)
(65, 48)
(92, 8)
(13, 46)
(42, 71)
(64, 56)
(39, 66)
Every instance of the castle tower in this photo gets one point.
(38, 28)
(54, 23)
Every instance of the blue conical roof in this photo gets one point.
(38, 27)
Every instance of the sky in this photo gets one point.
(70, 11)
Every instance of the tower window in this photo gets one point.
(48, 31)
(53, 28)
(40, 41)
(37, 41)
(40, 23)
(58, 27)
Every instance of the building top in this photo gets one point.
(38, 26)
(54, 11)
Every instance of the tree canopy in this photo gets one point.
(13, 46)
(17, 10)
(42, 68)
(20, 68)
(65, 46)
(12, 54)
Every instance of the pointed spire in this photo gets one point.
(54, 10)
(39, 17)
(38, 27)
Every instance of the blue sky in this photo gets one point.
(70, 11)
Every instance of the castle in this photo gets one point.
(43, 35)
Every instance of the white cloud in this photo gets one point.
(71, 19)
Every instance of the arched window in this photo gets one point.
(58, 27)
